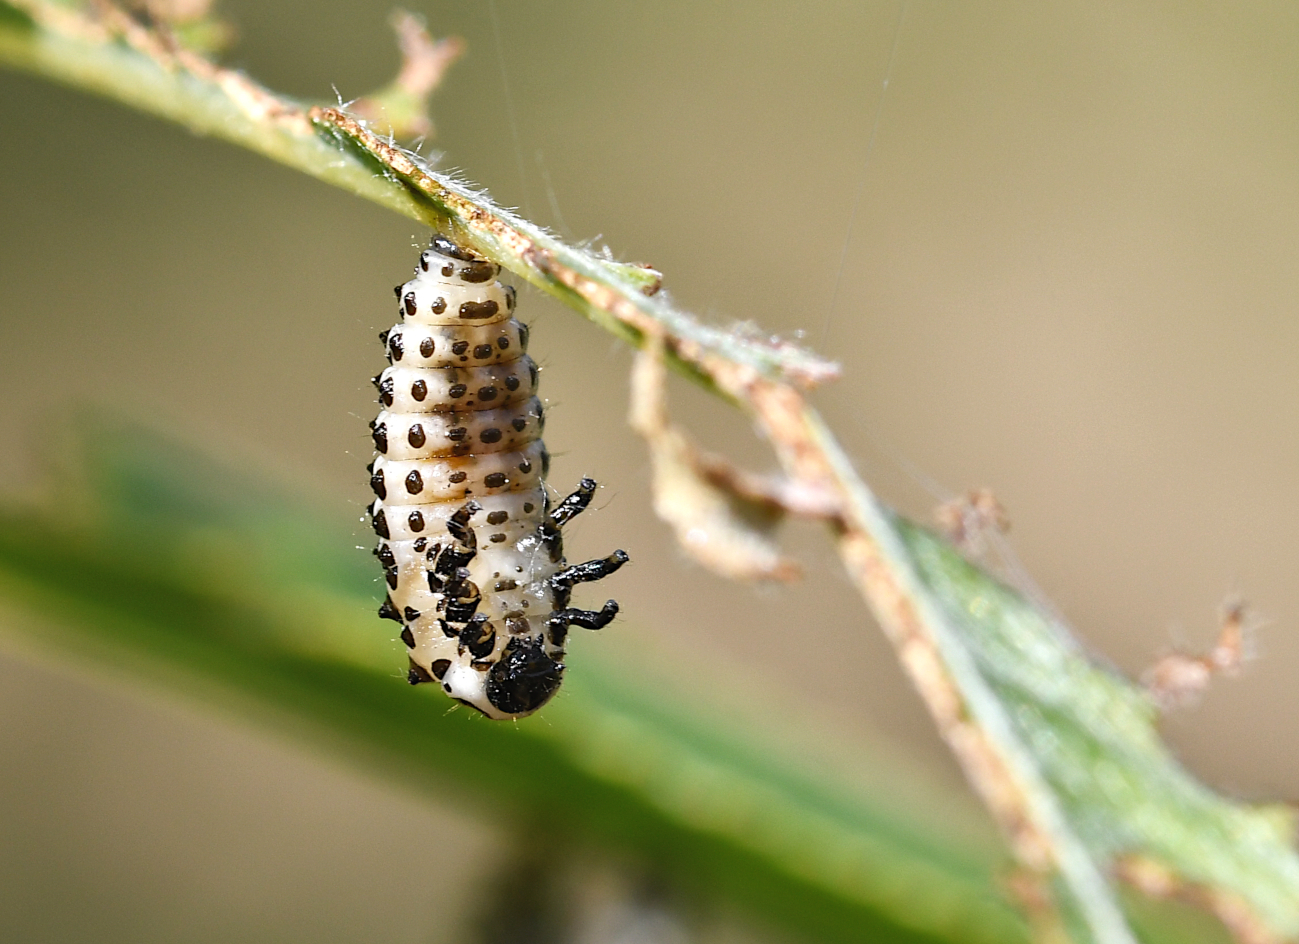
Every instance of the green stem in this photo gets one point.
(123, 62)
(54, 43)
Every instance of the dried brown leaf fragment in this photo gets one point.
(1179, 679)
(403, 106)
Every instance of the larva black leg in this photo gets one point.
(590, 570)
(561, 584)
(574, 504)
(587, 619)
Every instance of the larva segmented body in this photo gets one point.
(471, 548)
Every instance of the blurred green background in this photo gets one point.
(1069, 277)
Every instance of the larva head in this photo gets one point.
(521, 681)
(524, 679)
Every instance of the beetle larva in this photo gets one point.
(471, 547)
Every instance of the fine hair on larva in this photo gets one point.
(470, 543)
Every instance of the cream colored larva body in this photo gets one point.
(471, 547)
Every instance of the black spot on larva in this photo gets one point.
(518, 625)
(524, 333)
(396, 290)
(498, 517)
(416, 521)
(486, 394)
(395, 346)
(385, 391)
(511, 383)
(439, 305)
(380, 435)
(477, 272)
(423, 261)
(457, 433)
(419, 390)
(389, 611)
(525, 466)
(479, 309)
(495, 480)
(446, 247)
(506, 585)
(408, 637)
(378, 485)
(497, 538)
(440, 667)
(457, 391)
(524, 678)
(411, 614)
(426, 347)
(448, 270)
(503, 343)
(527, 507)
(415, 435)
(414, 482)
(390, 575)
(461, 609)
(447, 629)
(490, 435)
(545, 462)
(418, 674)
(376, 379)
(519, 424)
(383, 335)
(458, 477)
(408, 304)
(380, 524)
(532, 372)
(462, 449)
(459, 347)
(482, 351)
(420, 544)
(511, 297)
(384, 553)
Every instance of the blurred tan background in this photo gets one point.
(1070, 277)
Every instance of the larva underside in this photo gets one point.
(471, 548)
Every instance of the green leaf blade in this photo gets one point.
(213, 583)
(1092, 737)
